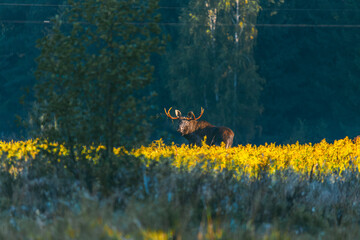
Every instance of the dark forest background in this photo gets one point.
(273, 71)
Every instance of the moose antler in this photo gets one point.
(197, 118)
(178, 116)
(168, 114)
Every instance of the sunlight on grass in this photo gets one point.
(308, 159)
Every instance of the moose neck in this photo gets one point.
(197, 131)
(198, 125)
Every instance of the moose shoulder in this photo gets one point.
(195, 131)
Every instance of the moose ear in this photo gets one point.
(177, 113)
(191, 115)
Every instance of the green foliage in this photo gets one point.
(311, 72)
(304, 80)
(49, 202)
(213, 66)
(92, 65)
(17, 55)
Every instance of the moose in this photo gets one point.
(195, 131)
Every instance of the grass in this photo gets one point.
(149, 194)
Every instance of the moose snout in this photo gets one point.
(179, 130)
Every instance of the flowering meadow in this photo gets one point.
(320, 159)
(306, 159)
(296, 191)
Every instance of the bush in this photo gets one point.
(86, 195)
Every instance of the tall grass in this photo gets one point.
(179, 192)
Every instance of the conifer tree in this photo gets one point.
(92, 67)
(20, 26)
(311, 70)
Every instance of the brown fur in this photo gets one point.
(197, 130)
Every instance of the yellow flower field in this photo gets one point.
(318, 159)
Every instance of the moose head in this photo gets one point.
(195, 131)
(186, 124)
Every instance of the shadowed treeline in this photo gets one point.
(272, 71)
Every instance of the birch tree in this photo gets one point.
(214, 64)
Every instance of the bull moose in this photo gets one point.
(195, 131)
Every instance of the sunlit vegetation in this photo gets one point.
(94, 100)
(313, 160)
(180, 192)
(319, 159)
